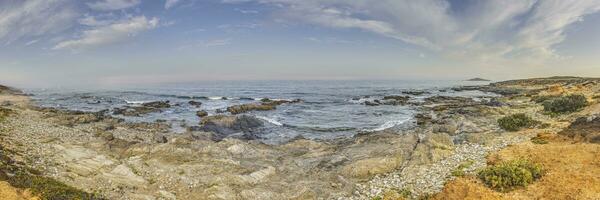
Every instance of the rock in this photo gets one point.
(202, 113)
(494, 102)
(369, 167)
(106, 136)
(167, 195)
(161, 139)
(369, 103)
(258, 176)
(265, 105)
(395, 100)
(157, 104)
(585, 129)
(145, 108)
(124, 175)
(224, 125)
(195, 103)
(478, 79)
(414, 92)
(237, 109)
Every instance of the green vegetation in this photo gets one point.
(460, 170)
(377, 198)
(4, 112)
(566, 104)
(538, 140)
(47, 188)
(541, 99)
(509, 175)
(561, 104)
(516, 122)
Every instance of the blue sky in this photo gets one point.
(115, 42)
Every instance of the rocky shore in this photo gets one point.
(219, 159)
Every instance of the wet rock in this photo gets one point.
(415, 92)
(237, 109)
(369, 103)
(265, 105)
(157, 104)
(195, 103)
(494, 102)
(202, 113)
(224, 126)
(145, 108)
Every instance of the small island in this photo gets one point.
(477, 79)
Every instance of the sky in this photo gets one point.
(48, 43)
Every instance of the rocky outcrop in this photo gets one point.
(145, 108)
(196, 104)
(222, 126)
(585, 129)
(202, 113)
(265, 105)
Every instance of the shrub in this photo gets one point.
(539, 140)
(4, 112)
(460, 170)
(566, 104)
(507, 176)
(541, 99)
(516, 122)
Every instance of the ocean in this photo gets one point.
(330, 109)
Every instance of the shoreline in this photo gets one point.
(134, 160)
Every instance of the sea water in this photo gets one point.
(329, 110)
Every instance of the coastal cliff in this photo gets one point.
(93, 155)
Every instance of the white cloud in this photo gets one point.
(171, 3)
(480, 30)
(32, 18)
(108, 5)
(110, 34)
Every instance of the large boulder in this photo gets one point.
(243, 126)
(145, 108)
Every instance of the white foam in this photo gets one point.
(135, 102)
(272, 121)
(215, 98)
(389, 124)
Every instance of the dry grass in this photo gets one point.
(572, 172)
(8, 192)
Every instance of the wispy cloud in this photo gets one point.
(21, 19)
(108, 5)
(110, 34)
(170, 3)
(472, 29)
(217, 42)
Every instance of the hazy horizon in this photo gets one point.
(91, 43)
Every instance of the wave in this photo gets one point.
(272, 121)
(389, 124)
(321, 129)
(136, 102)
(217, 98)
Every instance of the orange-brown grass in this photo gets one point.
(572, 172)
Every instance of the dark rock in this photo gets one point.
(195, 103)
(368, 103)
(478, 79)
(223, 126)
(202, 113)
(157, 104)
(415, 92)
